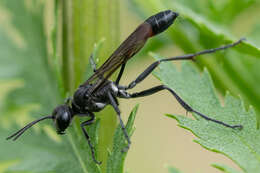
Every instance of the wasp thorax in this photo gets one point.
(62, 117)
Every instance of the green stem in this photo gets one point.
(67, 43)
(83, 24)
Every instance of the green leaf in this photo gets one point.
(33, 155)
(35, 152)
(242, 146)
(224, 168)
(173, 170)
(116, 157)
(24, 57)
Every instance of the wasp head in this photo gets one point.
(62, 116)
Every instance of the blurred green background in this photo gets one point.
(44, 50)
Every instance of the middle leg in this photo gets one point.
(115, 106)
(120, 73)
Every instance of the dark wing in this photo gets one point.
(122, 54)
(152, 26)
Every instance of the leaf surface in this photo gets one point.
(242, 146)
(116, 156)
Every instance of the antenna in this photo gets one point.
(21, 131)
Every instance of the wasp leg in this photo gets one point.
(120, 74)
(68, 100)
(182, 103)
(89, 122)
(150, 68)
(115, 106)
(92, 63)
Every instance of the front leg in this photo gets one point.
(92, 63)
(85, 123)
(67, 101)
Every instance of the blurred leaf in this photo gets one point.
(35, 152)
(242, 146)
(24, 57)
(116, 157)
(213, 9)
(224, 168)
(200, 22)
(173, 170)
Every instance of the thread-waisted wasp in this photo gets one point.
(98, 91)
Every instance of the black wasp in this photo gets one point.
(98, 92)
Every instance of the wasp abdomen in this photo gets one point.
(161, 21)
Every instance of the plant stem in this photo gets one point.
(83, 24)
(67, 45)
